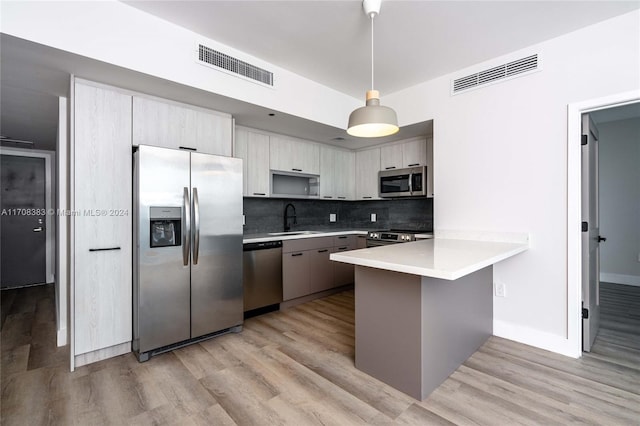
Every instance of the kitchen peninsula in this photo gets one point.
(422, 308)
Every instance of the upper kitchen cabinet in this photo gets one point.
(411, 153)
(253, 148)
(101, 195)
(367, 168)
(337, 174)
(170, 124)
(294, 155)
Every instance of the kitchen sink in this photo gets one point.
(294, 233)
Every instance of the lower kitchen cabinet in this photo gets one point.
(295, 275)
(320, 270)
(343, 273)
(307, 269)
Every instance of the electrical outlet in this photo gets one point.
(332, 217)
(500, 289)
(374, 217)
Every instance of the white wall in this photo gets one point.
(119, 34)
(620, 201)
(501, 162)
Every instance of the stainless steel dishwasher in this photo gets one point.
(262, 276)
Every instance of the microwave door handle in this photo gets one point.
(186, 227)
(411, 183)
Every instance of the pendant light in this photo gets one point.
(372, 120)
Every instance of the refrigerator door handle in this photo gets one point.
(196, 226)
(186, 227)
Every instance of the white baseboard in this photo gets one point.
(537, 338)
(62, 337)
(620, 279)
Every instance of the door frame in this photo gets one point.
(49, 222)
(574, 210)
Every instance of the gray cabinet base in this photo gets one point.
(412, 332)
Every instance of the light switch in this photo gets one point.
(332, 217)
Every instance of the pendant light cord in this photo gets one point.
(372, 17)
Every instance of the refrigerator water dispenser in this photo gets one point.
(165, 226)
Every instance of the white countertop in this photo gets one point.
(444, 258)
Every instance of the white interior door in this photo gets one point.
(590, 234)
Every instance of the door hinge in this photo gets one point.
(584, 140)
(585, 226)
(585, 313)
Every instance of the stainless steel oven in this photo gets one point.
(411, 182)
(392, 236)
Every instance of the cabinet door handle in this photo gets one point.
(187, 148)
(342, 237)
(414, 164)
(389, 168)
(38, 229)
(105, 249)
(327, 196)
(341, 198)
(323, 251)
(297, 254)
(366, 198)
(259, 193)
(342, 248)
(297, 170)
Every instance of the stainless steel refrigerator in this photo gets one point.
(188, 248)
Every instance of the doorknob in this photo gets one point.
(601, 238)
(38, 229)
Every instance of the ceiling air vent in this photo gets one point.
(491, 75)
(211, 57)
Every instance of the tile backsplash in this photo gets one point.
(267, 214)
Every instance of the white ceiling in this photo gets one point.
(326, 41)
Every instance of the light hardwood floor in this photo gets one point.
(296, 367)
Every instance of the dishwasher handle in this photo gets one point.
(265, 245)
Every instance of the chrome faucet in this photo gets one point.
(287, 227)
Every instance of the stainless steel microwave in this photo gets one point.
(410, 182)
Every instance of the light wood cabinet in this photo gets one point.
(172, 125)
(412, 153)
(337, 174)
(367, 168)
(253, 148)
(294, 155)
(391, 157)
(101, 260)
